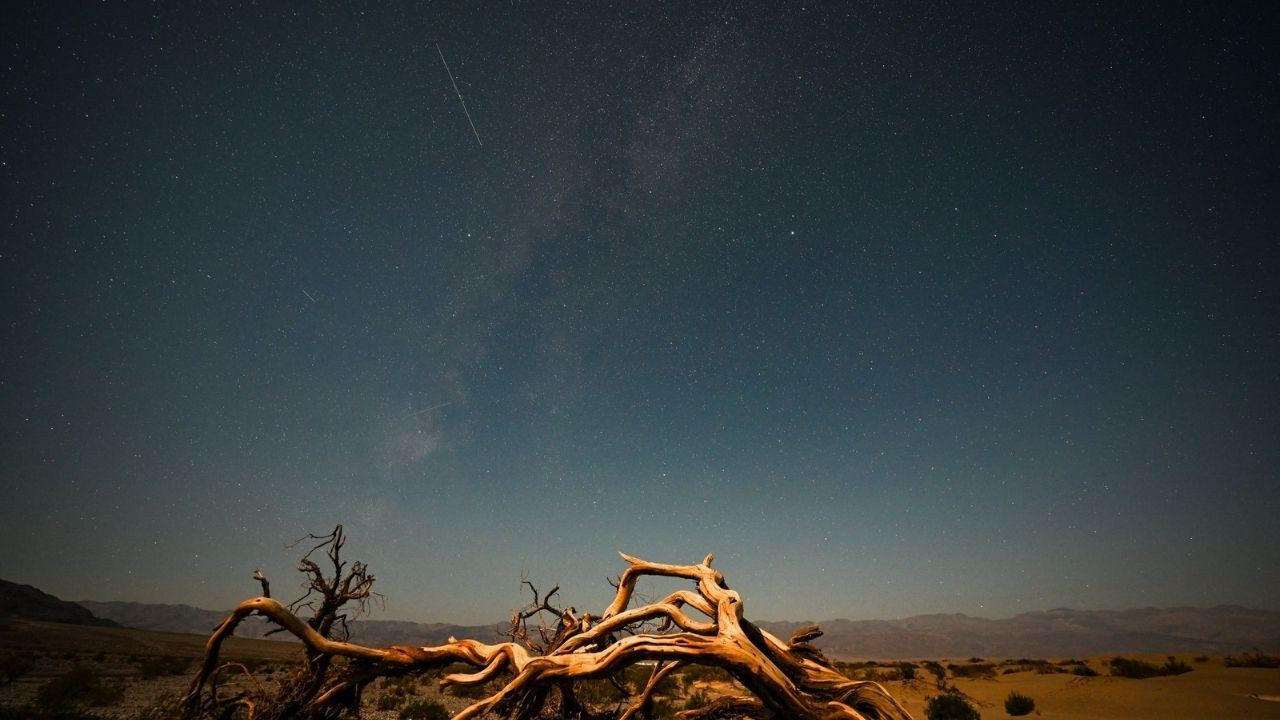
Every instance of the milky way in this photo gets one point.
(894, 309)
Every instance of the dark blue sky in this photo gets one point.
(896, 308)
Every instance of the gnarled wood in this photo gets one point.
(786, 679)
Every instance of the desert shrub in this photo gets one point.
(1018, 704)
(389, 701)
(597, 692)
(974, 672)
(1136, 669)
(874, 675)
(78, 686)
(424, 710)
(637, 676)
(400, 687)
(662, 709)
(698, 699)
(15, 666)
(939, 673)
(975, 660)
(710, 673)
(1084, 670)
(950, 707)
(1251, 660)
(853, 671)
(1139, 670)
(907, 671)
(1201, 658)
(847, 667)
(1025, 665)
(164, 666)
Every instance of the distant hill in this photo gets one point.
(24, 601)
(175, 618)
(1048, 633)
(16, 632)
(390, 632)
(188, 619)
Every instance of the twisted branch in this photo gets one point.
(786, 679)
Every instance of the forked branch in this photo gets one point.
(785, 679)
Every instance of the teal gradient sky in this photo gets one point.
(897, 308)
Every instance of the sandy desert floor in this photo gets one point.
(1210, 690)
(119, 658)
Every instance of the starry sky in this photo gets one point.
(895, 307)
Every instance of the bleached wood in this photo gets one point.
(786, 680)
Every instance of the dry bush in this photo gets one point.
(78, 686)
(1018, 704)
(1251, 660)
(1140, 670)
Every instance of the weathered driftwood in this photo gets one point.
(786, 679)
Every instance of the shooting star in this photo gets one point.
(304, 292)
(459, 94)
(427, 410)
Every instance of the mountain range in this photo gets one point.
(1049, 633)
(33, 604)
(188, 619)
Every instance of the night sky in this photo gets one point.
(895, 307)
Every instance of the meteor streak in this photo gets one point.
(459, 94)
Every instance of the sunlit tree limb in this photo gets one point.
(785, 679)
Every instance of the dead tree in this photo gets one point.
(786, 680)
(329, 598)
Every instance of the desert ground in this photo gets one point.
(1210, 690)
(143, 672)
